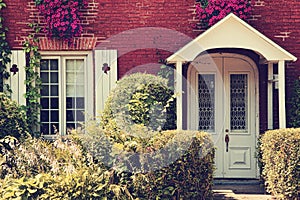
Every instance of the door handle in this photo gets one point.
(227, 139)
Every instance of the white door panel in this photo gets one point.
(225, 105)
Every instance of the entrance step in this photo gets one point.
(237, 182)
(239, 189)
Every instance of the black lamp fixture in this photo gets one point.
(105, 68)
(14, 68)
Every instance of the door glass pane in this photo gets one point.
(49, 114)
(75, 92)
(239, 102)
(206, 92)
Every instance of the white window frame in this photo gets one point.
(62, 56)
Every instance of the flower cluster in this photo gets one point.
(62, 17)
(211, 11)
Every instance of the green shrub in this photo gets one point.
(281, 162)
(84, 183)
(139, 99)
(12, 118)
(167, 165)
(189, 176)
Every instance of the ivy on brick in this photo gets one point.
(33, 81)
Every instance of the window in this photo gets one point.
(63, 94)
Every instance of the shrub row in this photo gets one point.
(280, 156)
(169, 165)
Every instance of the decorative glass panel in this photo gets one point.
(74, 92)
(49, 114)
(206, 91)
(239, 102)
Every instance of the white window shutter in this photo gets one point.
(17, 80)
(104, 82)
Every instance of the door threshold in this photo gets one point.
(236, 181)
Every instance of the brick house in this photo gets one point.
(239, 65)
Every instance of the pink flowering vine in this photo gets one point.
(62, 17)
(211, 11)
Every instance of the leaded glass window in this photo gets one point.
(239, 102)
(206, 96)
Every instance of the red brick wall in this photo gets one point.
(105, 19)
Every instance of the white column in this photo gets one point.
(178, 91)
(281, 94)
(270, 95)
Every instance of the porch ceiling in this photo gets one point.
(232, 32)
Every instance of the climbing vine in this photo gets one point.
(4, 52)
(33, 82)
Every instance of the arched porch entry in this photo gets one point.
(223, 91)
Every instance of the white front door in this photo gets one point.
(222, 101)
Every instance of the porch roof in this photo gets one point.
(232, 32)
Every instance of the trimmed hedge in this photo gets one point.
(280, 150)
(168, 165)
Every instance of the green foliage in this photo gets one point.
(167, 165)
(33, 81)
(281, 162)
(188, 177)
(5, 52)
(294, 106)
(139, 99)
(38, 169)
(12, 118)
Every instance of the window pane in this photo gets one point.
(70, 102)
(45, 116)
(45, 103)
(44, 65)
(54, 103)
(54, 90)
(45, 77)
(80, 102)
(45, 128)
(70, 115)
(45, 90)
(54, 77)
(80, 115)
(54, 116)
(206, 96)
(239, 102)
(54, 64)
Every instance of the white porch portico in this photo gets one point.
(233, 86)
(232, 32)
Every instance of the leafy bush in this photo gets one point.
(189, 176)
(38, 169)
(281, 162)
(167, 165)
(12, 118)
(141, 99)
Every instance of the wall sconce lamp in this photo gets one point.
(14, 68)
(105, 68)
